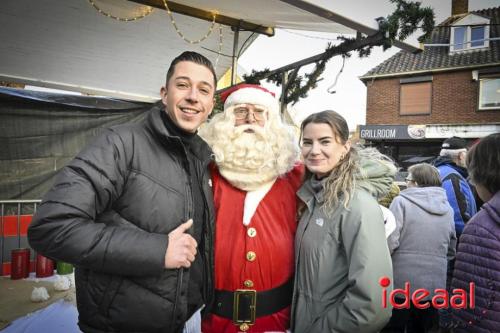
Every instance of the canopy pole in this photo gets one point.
(284, 88)
(234, 66)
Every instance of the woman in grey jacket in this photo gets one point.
(421, 245)
(340, 246)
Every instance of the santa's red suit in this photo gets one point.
(258, 256)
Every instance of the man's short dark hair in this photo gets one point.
(483, 163)
(193, 57)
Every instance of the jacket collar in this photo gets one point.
(311, 190)
(445, 160)
(155, 123)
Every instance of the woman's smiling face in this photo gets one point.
(321, 149)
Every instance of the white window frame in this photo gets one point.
(481, 81)
(461, 47)
(468, 39)
(469, 22)
(485, 36)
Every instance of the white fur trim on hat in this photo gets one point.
(249, 95)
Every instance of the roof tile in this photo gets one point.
(433, 58)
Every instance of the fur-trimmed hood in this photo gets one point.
(375, 175)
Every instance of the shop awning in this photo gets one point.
(419, 159)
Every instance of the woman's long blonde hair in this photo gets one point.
(341, 181)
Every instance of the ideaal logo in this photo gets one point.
(458, 299)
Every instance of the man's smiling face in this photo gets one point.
(189, 95)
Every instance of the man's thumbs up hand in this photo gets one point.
(181, 247)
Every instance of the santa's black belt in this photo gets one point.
(244, 305)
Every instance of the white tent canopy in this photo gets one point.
(270, 13)
(70, 45)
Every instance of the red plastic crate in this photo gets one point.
(10, 225)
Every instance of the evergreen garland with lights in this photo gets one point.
(399, 25)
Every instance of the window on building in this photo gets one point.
(469, 37)
(469, 33)
(459, 34)
(489, 93)
(415, 98)
(477, 36)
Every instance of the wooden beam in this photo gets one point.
(284, 89)
(234, 63)
(208, 16)
(334, 17)
(329, 15)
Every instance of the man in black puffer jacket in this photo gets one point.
(134, 213)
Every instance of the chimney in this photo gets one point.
(459, 7)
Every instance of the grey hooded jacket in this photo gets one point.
(424, 238)
(340, 259)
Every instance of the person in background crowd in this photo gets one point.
(255, 183)
(381, 193)
(460, 194)
(134, 213)
(451, 166)
(385, 202)
(478, 256)
(387, 199)
(422, 244)
(340, 247)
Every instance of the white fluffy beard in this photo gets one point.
(249, 161)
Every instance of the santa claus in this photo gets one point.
(254, 181)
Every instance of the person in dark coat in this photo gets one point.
(134, 213)
(451, 166)
(478, 256)
(460, 193)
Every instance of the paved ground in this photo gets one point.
(15, 297)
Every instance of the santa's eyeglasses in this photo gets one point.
(242, 113)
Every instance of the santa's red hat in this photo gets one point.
(252, 94)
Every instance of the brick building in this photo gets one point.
(452, 87)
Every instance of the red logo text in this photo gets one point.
(458, 299)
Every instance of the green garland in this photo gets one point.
(399, 25)
(218, 105)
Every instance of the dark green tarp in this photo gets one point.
(40, 132)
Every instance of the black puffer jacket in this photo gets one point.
(109, 213)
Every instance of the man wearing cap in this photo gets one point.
(451, 166)
(254, 182)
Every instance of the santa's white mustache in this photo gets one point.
(255, 130)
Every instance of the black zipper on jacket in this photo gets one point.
(189, 212)
(158, 130)
(208, 264)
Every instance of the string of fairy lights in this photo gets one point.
(197, 41)
(220, 47)
(149, 10)
(190, 41)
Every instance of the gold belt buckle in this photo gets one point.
(236, 303)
